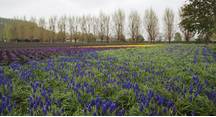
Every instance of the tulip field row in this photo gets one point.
(161, 80)
(24, 55)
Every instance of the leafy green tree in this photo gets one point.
(186, 27)
(198, 16)
(42, 25)
(199, 39)
(14, 29)
(6, 32)
(32, 26)
(22, 28)
(91, 37)
(130, 40)
(122, 38)
(178, 37)
(140, 38)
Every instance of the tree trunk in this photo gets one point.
(71, 37)
(32, 35)
(207, 38)
(82, 38)
(101, 38)
(94, 39)
(42, 37)
(107, 39)
(64, 36)
(75, 39)
(87, 38)
(41, 34)
(53, 35)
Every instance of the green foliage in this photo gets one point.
(18, 29)
(122, 38)
(214, 30)
(140, 38)
(91, 37)
(130, 40)
(178, 37)
(198, 16)
(199, 39)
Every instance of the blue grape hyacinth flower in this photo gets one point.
(141, 107)
(95, 114)
(192, 113)
(104, 111)
(174, 108)
(164, 110)
(98, 106)
(147, 104)
(89, 107)
(85, 110)
(116, 103)
(112, 108)
(150, 114)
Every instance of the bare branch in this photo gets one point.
(151, 24)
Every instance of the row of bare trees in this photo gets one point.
(103, 26)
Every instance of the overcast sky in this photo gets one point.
(47, 8)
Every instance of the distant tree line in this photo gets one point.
(114, 27)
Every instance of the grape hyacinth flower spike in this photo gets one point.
(192, 113)
(95, 114)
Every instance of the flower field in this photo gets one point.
(160, 80)
(120, 46)
(8, 56)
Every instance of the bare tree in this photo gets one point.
(151, 25)
(71, 26)
(118, 19)
(138, 27)
(42, 25)
(89, 24)
(102, 24)
(60, 28)
(52, 24)
(83, 27)
(95, 27)
(107, 26)
(76, 25)
(168, 19)
(134, 25)
(64, 22)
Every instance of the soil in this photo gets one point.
(10, 60)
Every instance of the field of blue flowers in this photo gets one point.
(162, 80)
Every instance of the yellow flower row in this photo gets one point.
(119, 46)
